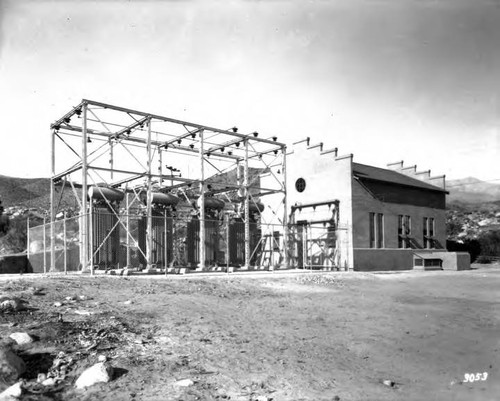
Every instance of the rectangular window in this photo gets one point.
(400, 231)
(429, 240)
(426, 232)
(372, 230)
(380, 230)
(404, 231)
(376, 230)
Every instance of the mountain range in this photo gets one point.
(30, 193)
(474, 192)
(35, 193)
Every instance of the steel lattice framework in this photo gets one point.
(97, 145)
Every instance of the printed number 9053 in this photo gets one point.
(475, 377)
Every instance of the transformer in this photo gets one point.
(162, 230)
(213, 255)
(236, 236)
(105, 245)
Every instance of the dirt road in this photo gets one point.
(332, 336)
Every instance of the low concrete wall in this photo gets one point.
(16, 263)
(402, 259)
(383, 259)
(454, 260)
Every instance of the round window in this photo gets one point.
(300, 185)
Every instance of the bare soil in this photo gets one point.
(326, 336)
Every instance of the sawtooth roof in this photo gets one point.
(363, 171)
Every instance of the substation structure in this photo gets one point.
(154, 192)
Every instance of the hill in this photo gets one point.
(18, 192)
(465, 193)
(28, 192)
(471, 190)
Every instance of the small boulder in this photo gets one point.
(58, 304)
(13, 303)
(184, 383)
(36, 291)
(99, 373)
(12, 393)
(49, 382)
(11, 366)
(41, 377)
(21, 338)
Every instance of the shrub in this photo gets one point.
(14, 241)
(483, 259)
(469, 245)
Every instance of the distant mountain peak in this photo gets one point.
(473, 191)
(466, 180)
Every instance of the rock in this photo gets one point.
(58, 304)
(163, 340)
(12, 393)
(83, 312)
(14, 304)
(36, 291)
(129, 302)
(49, 382)
(184, 383)
(82, 297)
(261, 398)
(102, 358)
(21, 338)
(11, 366)
(41, 377)
(71, 298)
(99, 373)
(388, 383)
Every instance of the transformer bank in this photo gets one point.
(131, 163)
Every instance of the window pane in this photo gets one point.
(407, 225)
(400, 231)
(425, 234)
(372, 230)
(380, 230)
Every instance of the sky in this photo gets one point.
(386, 80)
